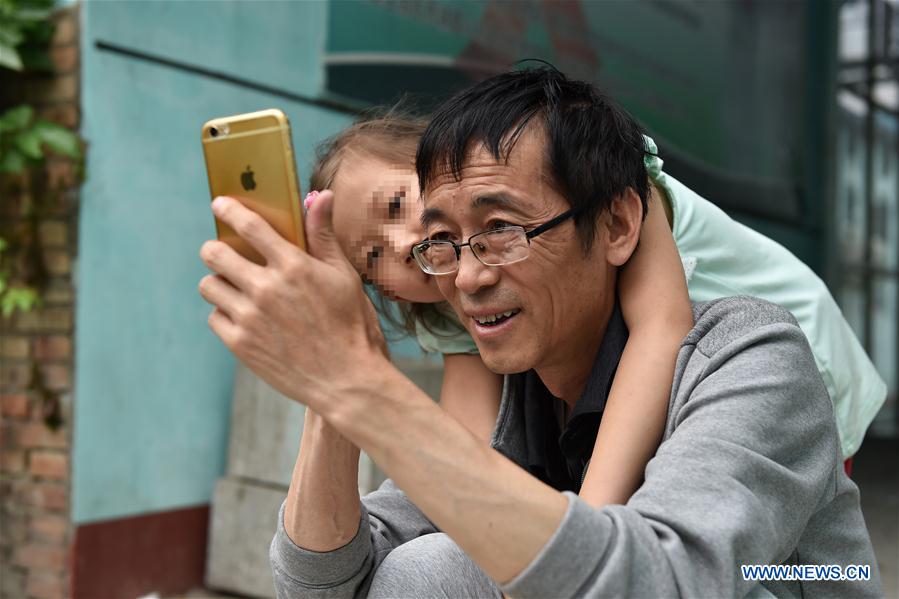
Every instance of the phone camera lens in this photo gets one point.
(213, 132)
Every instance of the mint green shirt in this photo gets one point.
(729, 258)
(443, 333)
(723, 258)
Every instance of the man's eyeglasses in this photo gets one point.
(496, 247)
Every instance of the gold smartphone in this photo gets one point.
(250, 157)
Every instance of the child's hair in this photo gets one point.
(390, 136)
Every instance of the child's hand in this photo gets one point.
(310, 198)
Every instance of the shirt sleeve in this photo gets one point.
(389, 519)
(751, 457)
(442, 333)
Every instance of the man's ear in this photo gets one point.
(624, 221)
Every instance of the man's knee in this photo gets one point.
(431, 566)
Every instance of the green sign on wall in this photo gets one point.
(718, 83)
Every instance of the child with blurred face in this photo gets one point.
(377, 233)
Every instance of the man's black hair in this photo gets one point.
(595, 149)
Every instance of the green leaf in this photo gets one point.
(58, 138)
(33, 14)
(29, 142)
(12, 162)
(21, 298)
(9, 58)
(3, 244)
(31, 4)
(11, 34)
(35, 58)
(16, 118)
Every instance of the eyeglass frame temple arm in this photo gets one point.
(571, 212)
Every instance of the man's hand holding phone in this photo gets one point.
(302, 322)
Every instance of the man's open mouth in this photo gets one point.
(493, 320)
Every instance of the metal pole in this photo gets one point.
(867, 284)
(894, 69)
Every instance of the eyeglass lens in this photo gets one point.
(499, 247)
(493, 248)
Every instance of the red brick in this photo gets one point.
(47, 495)
(15, 375)
(46, 558)
(12, 461)
(16, 206)
(44, 586)
(60, 174)
(66, 30)
(14, 528)
(56, 347)
(48, 464)
(14, 405)
(64, 58)
(47, 319)
(12, 580)
(62, 114)
(57, 377)
(62, 205)
(53, 233)
(13, 347)
(60, 88)
(39, 435)
(8, 435)
(50, 528)
(59, 291)
(57, 262)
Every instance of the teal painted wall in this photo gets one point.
(153, 383)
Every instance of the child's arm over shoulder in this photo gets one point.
(657, 310)
(471, 393)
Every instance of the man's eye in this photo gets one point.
(498, 224)
(372, 256)
(439, 236)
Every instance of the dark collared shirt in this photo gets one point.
(559, 456)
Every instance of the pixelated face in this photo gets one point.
(550, 305)
(377, 220)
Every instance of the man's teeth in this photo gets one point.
(494, 317)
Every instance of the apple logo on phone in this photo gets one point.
(246, 179)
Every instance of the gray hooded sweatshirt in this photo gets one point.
(749, 472)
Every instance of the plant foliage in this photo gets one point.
(25, 32)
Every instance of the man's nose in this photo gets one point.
(473, 275)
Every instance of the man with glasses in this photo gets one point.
(534, 190)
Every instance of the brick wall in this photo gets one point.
(36, 354)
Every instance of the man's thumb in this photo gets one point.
(320, 238)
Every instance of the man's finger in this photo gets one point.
(216, 290)
(224, 327)
(252, 228)
(221, 258)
